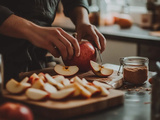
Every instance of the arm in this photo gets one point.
(55, 40)
(85, 30)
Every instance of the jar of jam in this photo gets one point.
(135, 69)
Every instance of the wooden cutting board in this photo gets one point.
(73, 106)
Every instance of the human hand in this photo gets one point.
(53, 39)
(91, 33)
(56, 41)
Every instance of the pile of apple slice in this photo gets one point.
(44, 86)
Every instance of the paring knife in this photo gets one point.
(100, 56)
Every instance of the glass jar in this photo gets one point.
(135, 69)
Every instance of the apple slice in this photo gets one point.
(66, 70)
(49, 88)
(100, 70)
(77, 92)
(104, 91)
(36, 94)
(38, 83)
(25, 80)
(90, 88)
(33, 77)
(62, 94)
(15, 87)
(66, 82)
(52, 81)
(97, 83)
(58, 78)
(41, 75)
(84, 91)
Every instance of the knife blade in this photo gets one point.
(100, 56)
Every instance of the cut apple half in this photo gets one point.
(62, 94)
(100, 70)
(15, 87)
(36, 94)
(66, 70)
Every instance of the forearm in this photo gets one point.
(18, 27)
(79, 16)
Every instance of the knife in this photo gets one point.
(100, 56)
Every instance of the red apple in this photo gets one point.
(15, 111)
(87, 53)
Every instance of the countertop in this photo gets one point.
(114, 32)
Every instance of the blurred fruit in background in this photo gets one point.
(15, 111)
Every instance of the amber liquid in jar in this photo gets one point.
(135, 69)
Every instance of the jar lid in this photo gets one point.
(135, 60)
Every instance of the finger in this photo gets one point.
(102, 40)
(61, 48)
(53, 50)
(73, 41)
(68, 46)
(95, 38)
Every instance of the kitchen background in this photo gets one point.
(145, 15)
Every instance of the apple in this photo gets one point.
(62, 94)
(15, 111)
(87, 53)
(36, 94)
(66, 70)
(15, 87)
(100, 70)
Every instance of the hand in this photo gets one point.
(90, 32)
(53, 39)
(56, 41)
